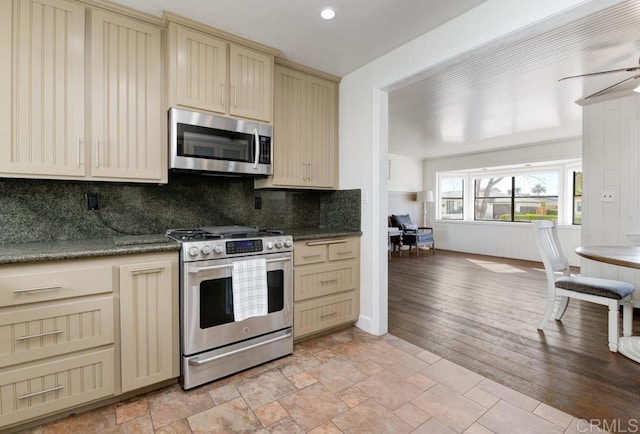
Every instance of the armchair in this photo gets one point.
(412, 234)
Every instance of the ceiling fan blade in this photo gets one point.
(631, 69)
(612, 86)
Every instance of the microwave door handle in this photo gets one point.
(257, 138)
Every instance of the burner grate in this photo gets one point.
(191, 234)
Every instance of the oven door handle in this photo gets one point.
(198, 362)
(217, 267)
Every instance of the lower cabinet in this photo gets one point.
(77, 331)
(147, 295)
(55, 385)
(326, 284)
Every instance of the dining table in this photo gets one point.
(623, 256)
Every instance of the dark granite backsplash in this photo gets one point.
(44, 210)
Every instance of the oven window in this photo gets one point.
(216, 302)
(216, 299)
(275, 282)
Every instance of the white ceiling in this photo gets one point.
(503, 94)
(508, 94)
(362, 30)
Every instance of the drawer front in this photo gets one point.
(324, 279)
(319, 314)
(29, 287)
(49, 329)
(37, 390)
(346, 250)
(309, 254)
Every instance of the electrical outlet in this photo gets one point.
(93, 204)
(607, 196)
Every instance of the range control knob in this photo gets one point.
(206, 250)
(279, 244)
(218, 248)
(193, 251)
(269, 245)
(288, 243)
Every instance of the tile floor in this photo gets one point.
(347, 382)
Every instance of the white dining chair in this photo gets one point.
(562, 285)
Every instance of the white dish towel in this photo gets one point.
(250, 291)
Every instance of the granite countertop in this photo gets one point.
(301, 234)
(70, 249)
(126, 245)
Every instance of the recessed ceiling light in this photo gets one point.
(327, 13)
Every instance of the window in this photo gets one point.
(520, 198)
(451, 198)
(577, 198)
(514, 193)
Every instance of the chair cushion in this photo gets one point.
(404, 222)
(401, 220)
(595, 286)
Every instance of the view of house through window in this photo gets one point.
(522, 193)
(451, 198)
(520, 198)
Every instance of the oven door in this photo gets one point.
(207, 303)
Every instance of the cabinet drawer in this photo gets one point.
(49, 329)
(26, 286)
(348, 249)
(309, 254)
(323, 279)
(319, 314)
(37, 390)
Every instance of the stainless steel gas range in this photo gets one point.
(214, 343)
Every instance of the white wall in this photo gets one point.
(405, 173)
(364, 118)
(610, 162)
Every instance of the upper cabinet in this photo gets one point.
(198, 70)
(251, 83)
(42, 96)
(64, 72)
(126, 99)
(305, 129)
(217, 74)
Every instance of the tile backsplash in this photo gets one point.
(45, 210)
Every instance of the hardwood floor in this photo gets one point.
(481, 312)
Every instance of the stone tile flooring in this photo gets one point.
(347, 382)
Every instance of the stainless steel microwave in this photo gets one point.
(213, 144)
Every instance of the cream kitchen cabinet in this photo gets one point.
(62, 70)
(127, 140)
(80, 331)
(305, 127)
(214, 73)
(326, 284)
(42, 89)
(57, 340)
(148, 301)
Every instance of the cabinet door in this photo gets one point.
(43, 110)
(201, 70)
(289, 165)
(146, 323)
(321, 132)
(251, 86)
(126, 94)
